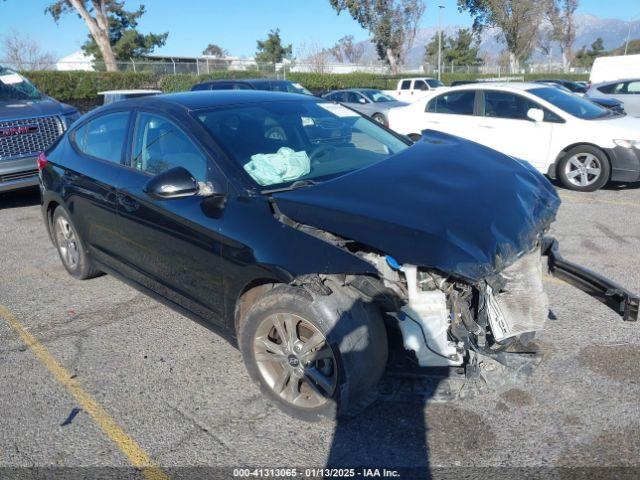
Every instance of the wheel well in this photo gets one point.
(51, 207)
(552, 168)
(247, 297)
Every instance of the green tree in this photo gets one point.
(99, 17)
(271, 50)
(518, 21)
(215, 51)
(561, 16)
(461, 49)
(585, 58)
(126, 42)
(391, 23)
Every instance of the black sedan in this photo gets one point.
(313, 237)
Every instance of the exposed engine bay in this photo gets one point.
(443, 318)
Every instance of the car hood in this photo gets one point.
(444, 203)
(16, 109)
(626, 127)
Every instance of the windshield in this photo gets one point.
(279, 143)
(14, 86)
(433, 83)
(289, 87)
(377, 96)
(570, 103)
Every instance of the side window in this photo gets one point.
(612, 88)
(103, 137)
(352, 97)
(405, 85)
(159, 145)
(506, 105)
(456, 103)
(420, 85)
(633, 88)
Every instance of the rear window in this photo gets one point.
(405, 85)
(103, 137)
(456, 103)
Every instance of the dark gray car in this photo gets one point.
(29, 123)
(367, 101)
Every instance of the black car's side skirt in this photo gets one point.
(620, 300)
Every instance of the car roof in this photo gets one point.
(246, 80)
(510, 86)
(621, 80)
(213, 98)
(128, 92)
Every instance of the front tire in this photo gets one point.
(70, 247)
(380, 118)
(584, 169)
(314, 355)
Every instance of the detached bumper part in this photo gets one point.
(611, 294)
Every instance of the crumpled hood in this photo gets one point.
(444, 203)
(16, 109)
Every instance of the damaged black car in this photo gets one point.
(319, 242)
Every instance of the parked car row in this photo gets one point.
(30, 122)
(560, 134)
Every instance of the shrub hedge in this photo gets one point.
(84, 86)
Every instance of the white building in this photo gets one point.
(76, 61)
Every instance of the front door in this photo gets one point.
(504, 126)
(170, 245)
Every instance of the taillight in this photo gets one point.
(42, 161)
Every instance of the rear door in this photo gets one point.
(504, 126)
(452, 112)
(90, 179)
(170, 245)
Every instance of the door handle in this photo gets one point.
(128, 203)
(486, 126)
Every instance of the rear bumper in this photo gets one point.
(18, 173)
(625, 164)
(620, 300)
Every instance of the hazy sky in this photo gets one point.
(237, 24)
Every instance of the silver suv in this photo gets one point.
(29, 123)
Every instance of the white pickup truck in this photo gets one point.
(412, 89)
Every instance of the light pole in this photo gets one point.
(440, 8)
(626, 45)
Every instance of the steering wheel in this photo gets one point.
(320, 152)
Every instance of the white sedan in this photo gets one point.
(560, 134)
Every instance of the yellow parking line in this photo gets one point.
(127, 445)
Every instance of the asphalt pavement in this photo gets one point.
(94, 374)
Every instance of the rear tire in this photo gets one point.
(70, 247)
(336, 378)
(584, 169)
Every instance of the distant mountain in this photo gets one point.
(588, 28)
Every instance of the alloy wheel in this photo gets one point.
(67, 243)
(295, 360)
(583, 169)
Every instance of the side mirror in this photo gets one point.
(535, 114)
(176, 182)
(361, 100)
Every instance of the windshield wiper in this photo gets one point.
(293, 186)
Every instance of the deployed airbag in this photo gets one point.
(283, 166)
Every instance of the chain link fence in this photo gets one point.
(200, 66)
